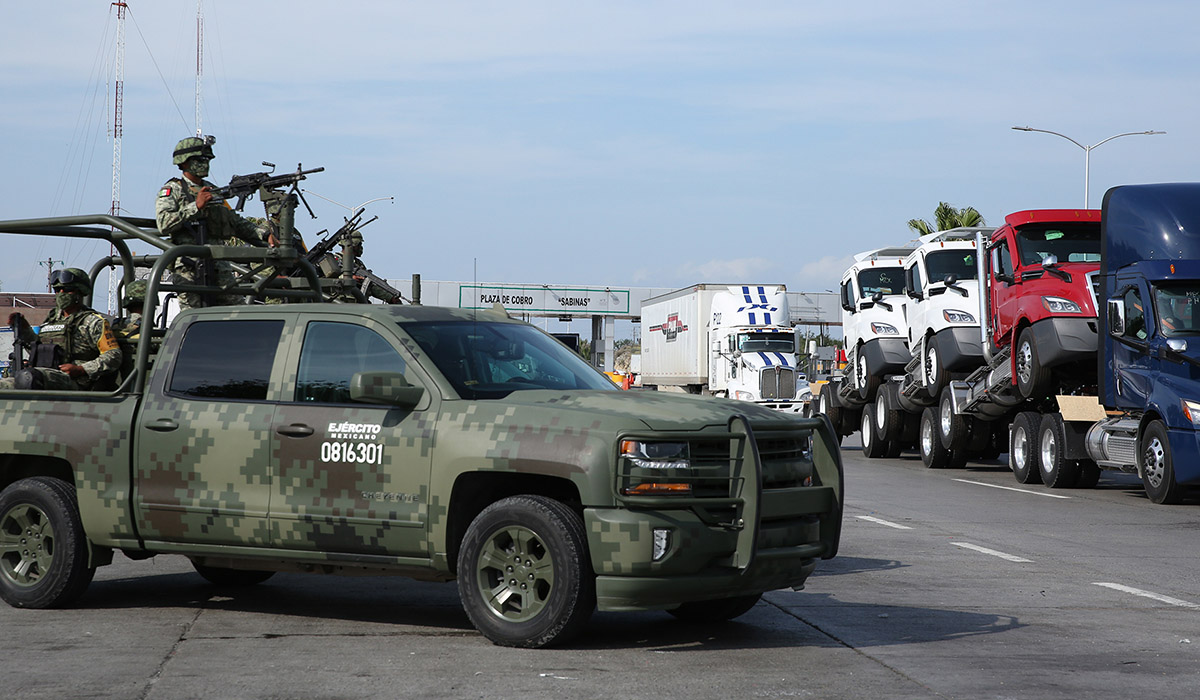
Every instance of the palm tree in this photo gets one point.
(946, 218)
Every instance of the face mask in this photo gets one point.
(66, 299)
(198, 167)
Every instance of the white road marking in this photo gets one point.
(1147, 594)
(992, 552)
(881, 521)
(1010, 488)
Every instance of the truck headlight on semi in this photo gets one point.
(743, 395)
(1191, 410)
(1058, 305)
(884, 329)
(956, 316)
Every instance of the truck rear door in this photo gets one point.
(203, 463)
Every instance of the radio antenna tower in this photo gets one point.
(117, 133)
(199, 59)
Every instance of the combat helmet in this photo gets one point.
(192, 147)
(135, 294)
(71, 279)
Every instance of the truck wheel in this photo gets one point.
(1057, 472)
(1033, 380)
(524, 574)
(1023, 446)
(952, 427)
(887, 421)
(43, 549)
(233, 578)
(866, 384)
(872, 446)
(834, 413)
(716, 610)
(933, 453)
(1157, 466)
(935, 374)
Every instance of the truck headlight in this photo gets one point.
(656, 455)
(956, 316)
(1058, 305)
(884, 329)
(1191, 410)
(743, 395)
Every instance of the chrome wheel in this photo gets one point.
(1155, 462)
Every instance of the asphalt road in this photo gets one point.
(949, 584)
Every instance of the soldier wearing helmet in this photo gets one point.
(352, 250)
(189, 213)
(74, 349)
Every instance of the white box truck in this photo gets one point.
(732, 341)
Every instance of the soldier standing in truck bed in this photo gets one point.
(189, 213)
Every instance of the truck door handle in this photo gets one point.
(163, 425)
(297, 430)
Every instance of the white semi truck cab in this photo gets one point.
(754, 348)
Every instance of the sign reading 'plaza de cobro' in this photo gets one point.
(545, 299)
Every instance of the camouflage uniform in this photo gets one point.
(128, 329)
(86, 340)
(175, 209)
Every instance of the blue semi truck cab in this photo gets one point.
(1148, 358)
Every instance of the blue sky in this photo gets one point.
(618, 143)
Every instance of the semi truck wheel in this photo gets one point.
(1157, 467)
(716, 610)
(952, 427)
(43, 549)
(864, 382)
(933, 453)
(524, 573)
(887, 421)
(872, 446)
(1022, 446)
(1033, 379)
(1057, 472)
(935, 374)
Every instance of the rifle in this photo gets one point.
(326, 245)
(370, 279)
(243, 186)
(19, 346)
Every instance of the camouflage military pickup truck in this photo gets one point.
(427, 442)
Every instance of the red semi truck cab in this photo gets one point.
(1042, 267)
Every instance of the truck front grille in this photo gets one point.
(778, 383)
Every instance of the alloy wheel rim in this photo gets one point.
(1049, 452)
(1155, 462)
(515, 573)
(26, 545)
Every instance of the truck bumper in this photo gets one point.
(1062, 340)
(886, 355)
(960, 348)
(1185, 455)
(660, 552)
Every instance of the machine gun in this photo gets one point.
(325, 245)
(243, 186)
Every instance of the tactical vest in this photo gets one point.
(62, 333)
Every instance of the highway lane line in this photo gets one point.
(881, 521)
(992, 552)
(1010, 488)
(1147, 594)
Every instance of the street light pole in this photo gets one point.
(1087, 151)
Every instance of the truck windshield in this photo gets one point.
(960, 263)
(889, 280)
(1177, 309)
(1069, 242)
(485, 360)
(766, 342)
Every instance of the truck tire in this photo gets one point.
(872, 446)
(887, 421)
(1157, 467)
(43, 549)
(524, 573)
(716, 610)
(935, 373)
(1057, 472)
(952, 427)
(232, 578)
(863, 380)
(933, 453)
(1022, 447)
(1033, 379)
(833, 412)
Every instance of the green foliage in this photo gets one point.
(945, 218)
